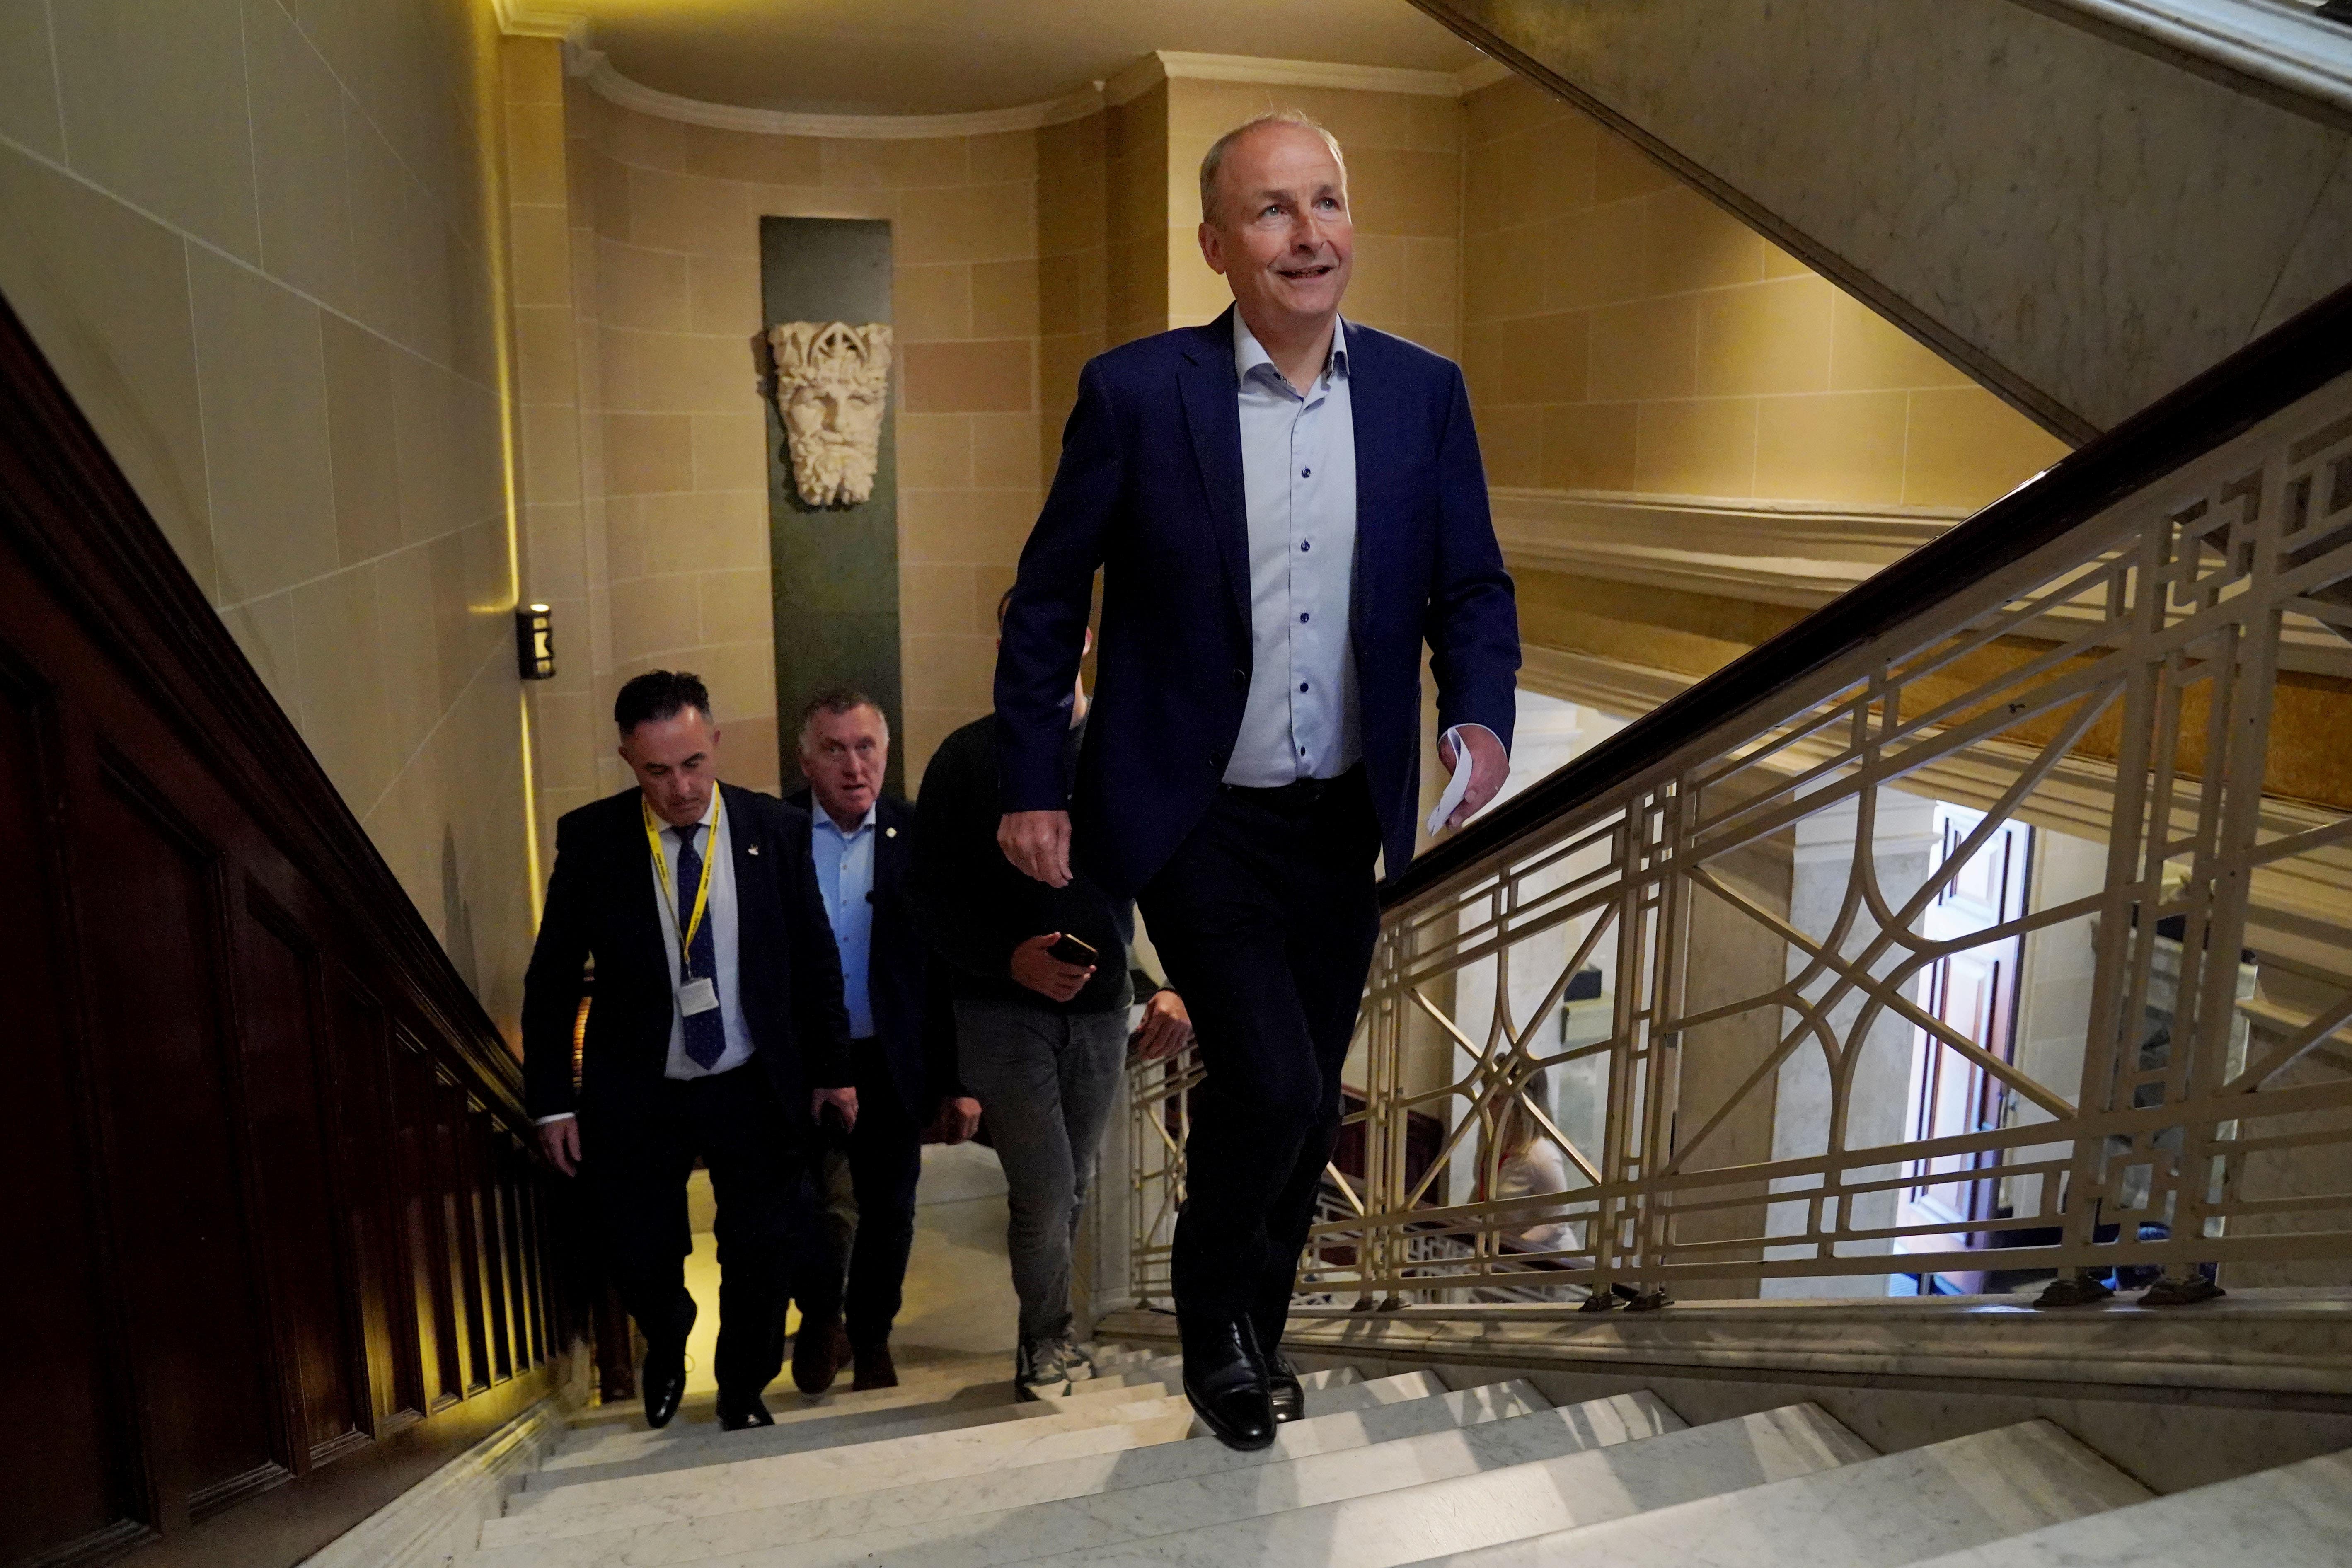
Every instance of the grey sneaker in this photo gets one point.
(1041, 1371)
(1075, 1362)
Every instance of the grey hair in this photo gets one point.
(837, 700)
(1214, 158)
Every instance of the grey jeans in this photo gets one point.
(1048, 1081)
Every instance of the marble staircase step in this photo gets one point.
(1066, 1434)
(690, 1448)
(2295, 1516)
(1411, 1522)
(978, 1539)
(757, 1512)
(1900, 1508)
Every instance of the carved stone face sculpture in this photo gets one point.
(831, 380)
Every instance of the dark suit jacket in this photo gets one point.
(601, 903)
(912, 1021)
(1149, 489)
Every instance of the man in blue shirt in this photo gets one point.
(1283, 507)
(902, 1047)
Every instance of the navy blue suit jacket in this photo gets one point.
(913, 1016)
(1149, 489)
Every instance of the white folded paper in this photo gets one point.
(1455, 787)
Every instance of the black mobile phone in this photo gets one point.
(1070, 950)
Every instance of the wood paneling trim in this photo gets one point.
(276, 1234)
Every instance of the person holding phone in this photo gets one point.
(1043, 991)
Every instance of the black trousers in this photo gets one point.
(1266, 918)
(885, 1162)
(635, 1159)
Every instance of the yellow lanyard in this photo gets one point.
(661, 880)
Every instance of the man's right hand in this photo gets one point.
(1040, 971)
(1038, 845)
(560, 1140)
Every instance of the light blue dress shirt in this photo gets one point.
(1298, 484)
(845, 876)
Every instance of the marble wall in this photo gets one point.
(257, 241)
(1622, 332)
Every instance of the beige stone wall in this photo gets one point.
(645, 430)
(256, 240)
(1405, 183)
(1623, 334)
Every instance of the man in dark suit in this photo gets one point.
(1285, 507)
(717, 1031)
(902, 1043)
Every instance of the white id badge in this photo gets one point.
(697, 996)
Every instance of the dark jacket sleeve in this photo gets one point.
(955, 822)
(552, 985)
(820, 1016)
(1472, 620)
(1046, 624)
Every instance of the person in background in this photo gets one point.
(718, 1032)
(1042, 995)
(902, 1058)
(1283, 507)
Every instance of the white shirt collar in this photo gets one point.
(1249, 353)
(819, 818)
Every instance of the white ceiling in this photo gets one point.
(952, 57)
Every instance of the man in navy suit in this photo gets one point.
(902, 1038)
(716, 1032)
(1284, 506)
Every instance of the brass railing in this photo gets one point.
(1985, 928)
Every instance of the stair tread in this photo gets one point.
(1894, 1510)
(2294, 1516)
(1348, 1415)
(994, 1526)
(1546, 1497)
(692, 1447)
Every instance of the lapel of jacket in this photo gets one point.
(1380, 479)
(1213, 418)
(749, 853)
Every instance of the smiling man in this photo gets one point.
(716, 1033)
(1284, 506)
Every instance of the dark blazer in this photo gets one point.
(916, 1032)
(1149, 489)
(601, 903)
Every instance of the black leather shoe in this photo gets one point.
(662, 1380)
(1283, 1390)
(735, 1414)
(816, 1356)
(1226, 1383)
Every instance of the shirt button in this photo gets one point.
(1305, 473)
(1306, 544)
(1302, 686)
(1302, 616)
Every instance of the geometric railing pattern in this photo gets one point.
(2001, 950)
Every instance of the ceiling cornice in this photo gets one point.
(608, 83)
(521, 19)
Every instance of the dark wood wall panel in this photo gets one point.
(272, 1244)
(180, 1220)
(59, 1436)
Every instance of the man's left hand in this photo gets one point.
(1166, 1030)
(957, 1120)
(1489, 766)
(844, 1103)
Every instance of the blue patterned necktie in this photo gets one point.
(705, 1032)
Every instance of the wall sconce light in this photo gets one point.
(535, 642)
